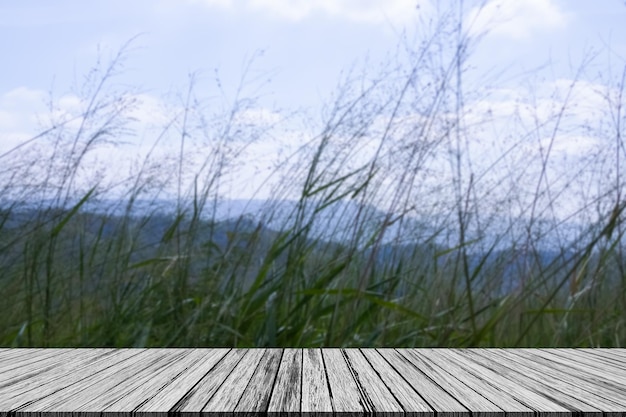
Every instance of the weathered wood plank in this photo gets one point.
(454, 390)
(138, 390)
(316, 400)
(375, 392)
(22, 366)
(569, 371)
(49, 365)
(610, 358)
(541, 383)
(9, 355)
(582, 369)
(200, 394)
(542, 405)
(478, 384)
(617, 367)
(188, 382)
(229, 393)
(256, 397)
(409, 399)
(346, 396)
(618, 352)
(130, 392)
(82, 367)
(312, 382)
(102, 389)
(287, 394)
(550, 379)
(611, 354)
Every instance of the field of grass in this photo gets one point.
(123, 277)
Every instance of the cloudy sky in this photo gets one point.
(297, 50)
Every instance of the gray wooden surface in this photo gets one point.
(313, 382)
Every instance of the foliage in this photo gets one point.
(469, 273)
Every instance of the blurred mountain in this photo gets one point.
(247, 229)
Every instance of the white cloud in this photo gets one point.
(24, 114)
(585, 103)
(215, 3)
(151, 111)
(21, 98)
(572, 145)
(515, 18)
(367, 11)
(499, 107)
(5, 119)
(18, 108)
(258, 117)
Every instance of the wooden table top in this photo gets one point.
(389, 382)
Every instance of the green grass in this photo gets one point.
(73, 286)
(71, 277)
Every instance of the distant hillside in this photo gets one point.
(244, 231)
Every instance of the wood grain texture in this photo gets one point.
(612, 357)
(9, 358)
(21, 367)
(312, 382)
(604, 380)
(64, 377)
(227, 396)
(373, 389)
(477, 383)
(287, 393)
(579, 394)
(403, 391)
(256, 397)
(100, 389)
(599, 363)
(447, 387)
(541, 383)
(200, 394)
(141, 388)
(542, 405)
(316, 400)
(185, 386)
(345, 394)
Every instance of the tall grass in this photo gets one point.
(481, 266)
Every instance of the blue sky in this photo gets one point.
(299, 47)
